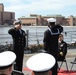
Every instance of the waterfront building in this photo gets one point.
(39, 20)
(6, 17)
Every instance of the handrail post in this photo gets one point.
(27, 32)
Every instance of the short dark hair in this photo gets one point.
(61, 35)
(40, 73)
(2, 74)
(51, 23)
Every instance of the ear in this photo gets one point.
(10, 69)
(50, 72)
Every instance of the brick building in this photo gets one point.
(6, 18)
(35, 19)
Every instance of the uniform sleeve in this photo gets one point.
(59, 27)
(11, 31)
(24, 38)
(45, 41)
(65, 48)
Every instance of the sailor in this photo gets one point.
(50, 40)
(19, 43)
(41, 63)
(7, 59)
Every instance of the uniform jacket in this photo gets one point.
(19, 40)
(50, 40)
(62, 48)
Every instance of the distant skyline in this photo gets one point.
(40, 7)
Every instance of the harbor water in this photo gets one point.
(37, 33)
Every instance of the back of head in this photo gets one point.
(42, 73)
(51, 21)
(40, 63)
(7, 58)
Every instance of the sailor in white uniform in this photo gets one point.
(7, 59)
(41, 63)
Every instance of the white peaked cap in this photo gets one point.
(17, 22)
(40, 62)
(6, 59)
(51, 20)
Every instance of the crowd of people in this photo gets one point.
(54, 46)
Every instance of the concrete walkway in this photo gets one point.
(71, 54)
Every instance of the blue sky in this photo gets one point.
(40, 7)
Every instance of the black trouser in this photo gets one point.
(19, 60)
(54, 69)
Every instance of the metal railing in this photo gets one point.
(34, 38)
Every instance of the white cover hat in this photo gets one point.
(17, 22)
(41, 62)
(51, 20)
(6, 59)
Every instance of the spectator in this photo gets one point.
(7, 59)
(62, 48)
(41, 64)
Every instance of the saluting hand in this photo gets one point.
(61, 53)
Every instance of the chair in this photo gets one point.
(74, 62)
(64, 60)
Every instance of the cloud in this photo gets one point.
(10, 1)
(24, 7)
(53, 4)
